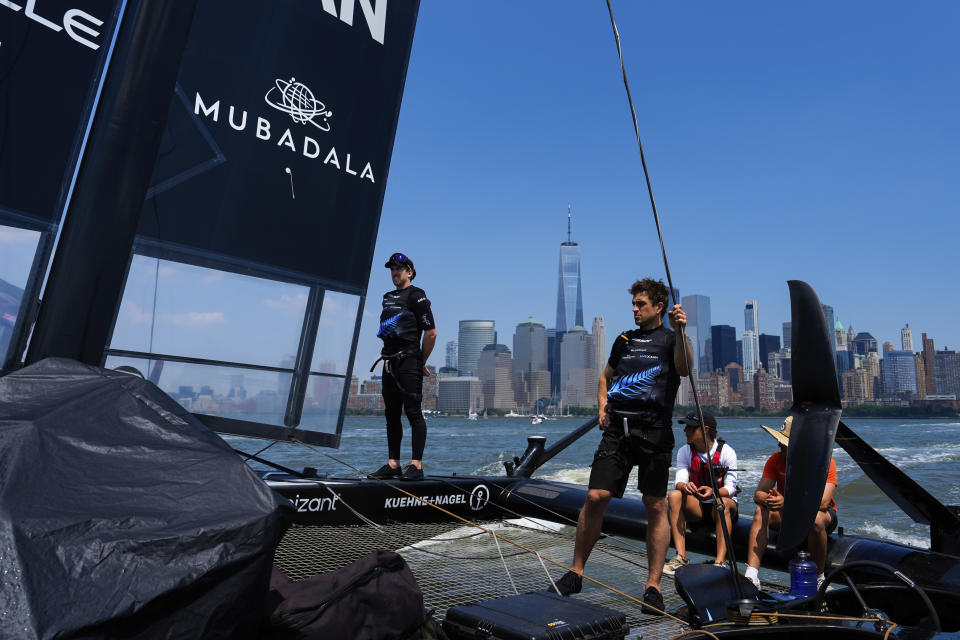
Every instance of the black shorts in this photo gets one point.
(618, 454)
(833, 520)
(709, 511)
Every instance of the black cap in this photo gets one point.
(402, 260)
(691, 419)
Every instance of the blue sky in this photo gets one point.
(816, 141)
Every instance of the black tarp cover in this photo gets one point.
(122, 516)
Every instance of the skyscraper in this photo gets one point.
(906, 338)
(600, 343)
(751, 334)
(530, 346)
(577, 373)
(473, 337)
(787, 334)
(929, 360)
(451, 361)
(698, 329)
(768, 344)
(495, 370)
(751, 355)
(828, 314)
(724, 339)
(569, 292)
(899, 372)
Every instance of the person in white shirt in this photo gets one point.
(692, 497)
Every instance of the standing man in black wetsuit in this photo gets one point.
(636, 394)
(406, 313)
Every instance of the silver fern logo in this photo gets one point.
(633, 386)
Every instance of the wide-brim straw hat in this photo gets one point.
(783, 433)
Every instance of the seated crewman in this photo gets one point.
(769, 499)
(692, 497)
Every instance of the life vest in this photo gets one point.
(698, 468)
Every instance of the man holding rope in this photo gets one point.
(636, 394)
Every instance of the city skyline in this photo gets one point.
(765, 168)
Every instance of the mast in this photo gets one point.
(88, 271)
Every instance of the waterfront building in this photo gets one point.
(451, 360)
(735, 375)
(858, 387)
(763, 390)
(872, 365)
(530, 363)
(887, 347)
(599, 343)
(787, 334)
(929, 364)
(495, 370)
(460, 394)
(577, 373)
(697, 308)
(474, 335)
(921, 376)
(723, 340)
(740, 352)
(899, 372)
(947, 372)
(569, 287)
(906, 338)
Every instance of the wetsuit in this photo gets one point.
(640, 399)
(406, 314)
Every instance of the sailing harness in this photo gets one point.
(391, 360)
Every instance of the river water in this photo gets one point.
(925, 449)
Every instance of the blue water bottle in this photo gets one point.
(803, 576)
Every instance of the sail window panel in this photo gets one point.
(338, 317)
(321, 408)
(17, 250)
(252, 395)
(171, 308)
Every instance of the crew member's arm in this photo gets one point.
(678, 319)
(767, 496)
(602, 385)
(426, 347)
(683, 483)
(828, 490)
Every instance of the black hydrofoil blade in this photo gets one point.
(816, 414)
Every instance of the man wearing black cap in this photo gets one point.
(406, 314)
(635, 394)
(692, 496)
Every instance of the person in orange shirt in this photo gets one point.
(769, 500)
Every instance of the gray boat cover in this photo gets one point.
(121, 515)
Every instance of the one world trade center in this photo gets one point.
(569, 291)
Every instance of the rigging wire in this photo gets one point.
(718, 500)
